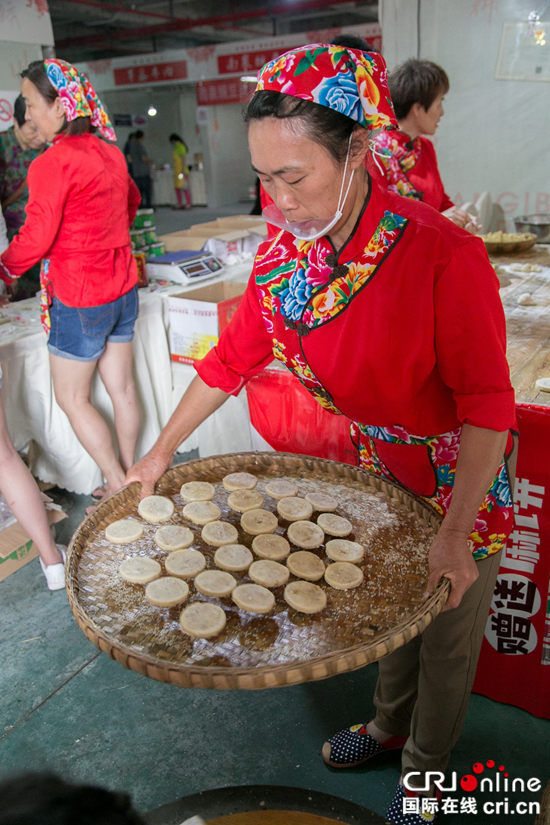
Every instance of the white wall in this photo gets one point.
(222, 141)
(495, 134)
(227, 162)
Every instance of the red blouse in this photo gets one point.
(422, 345)
(81, 204)
(424, 176)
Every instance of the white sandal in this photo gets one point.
(55, 573)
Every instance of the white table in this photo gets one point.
(38, 425)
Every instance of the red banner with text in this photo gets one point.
(514, 666)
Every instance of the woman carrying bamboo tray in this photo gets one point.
(389, 314)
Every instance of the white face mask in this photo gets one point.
(310, 229)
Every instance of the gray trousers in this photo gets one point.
(424, 687)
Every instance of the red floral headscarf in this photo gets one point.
(78, 96)
(348, 81)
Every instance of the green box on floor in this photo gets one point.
(16, 548)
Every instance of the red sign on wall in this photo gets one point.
(247, 61)
(217, 92)
(154, 73)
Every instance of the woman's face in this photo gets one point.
(48, 118)
(27, 135)
(303, 179)
(429, 118)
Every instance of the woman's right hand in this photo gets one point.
(148, 470)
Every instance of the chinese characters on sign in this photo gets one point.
(516, 598)
(155, 73)
(246, 62)
(216, 92)
(448, 805)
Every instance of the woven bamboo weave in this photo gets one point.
(285, 647)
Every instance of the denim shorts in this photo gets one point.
(80, 333)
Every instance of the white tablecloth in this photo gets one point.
(36, 422)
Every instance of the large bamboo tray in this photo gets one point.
(284, 648)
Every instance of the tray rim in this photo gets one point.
(265, 676)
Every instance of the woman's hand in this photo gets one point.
(462, 219)
(451, 557)
(198, 402)
(148, 470)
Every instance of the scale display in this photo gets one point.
(184, 267)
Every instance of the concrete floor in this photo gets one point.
(68, 708)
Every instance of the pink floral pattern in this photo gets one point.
(349, 81)
(495, 518)
(398, 155)
(78, 96)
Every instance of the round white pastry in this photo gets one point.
(305, 597)
(257, 522)
(140, 570)
(321, 502)
(294, 509)
(201, 512)
(268, 573)
(197, 491)
(278, 488)
(334, 525)
(344, 550)
(239, 481)
(172, 538)
(202, 620)
(218, 533)
(253, 598)
(185, 564)
(305, 534)
(343, 576)
(156, 508)
(166, 592)
(124, 531)
(306, 565)
(271, 547)
(216, 583)
(234, 557)
(243, 500)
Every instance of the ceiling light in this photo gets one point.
(151, 111)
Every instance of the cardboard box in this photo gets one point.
(179, 241)
(197, 319)
(226, 238)
(16, 548)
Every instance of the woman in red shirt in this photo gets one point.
(389, 314)
(402, 160)
(81, 204)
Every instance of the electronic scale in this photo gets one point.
(184, 267)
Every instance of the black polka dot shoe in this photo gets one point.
(410, 808)
(353, 746)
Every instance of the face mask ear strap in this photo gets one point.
(341, 201)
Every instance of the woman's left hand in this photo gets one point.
(451, 557)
